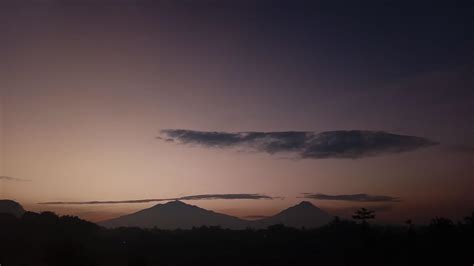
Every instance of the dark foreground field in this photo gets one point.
(46, 239)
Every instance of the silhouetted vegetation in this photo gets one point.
(47, 239)
(363, 215)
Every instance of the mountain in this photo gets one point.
(175, 214)
(11, 207)
(305, 214)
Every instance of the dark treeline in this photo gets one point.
(47, 239)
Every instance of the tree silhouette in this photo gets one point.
(469, 220)
(363, 215)
(46, 239)
(409, 223)
(441, 223)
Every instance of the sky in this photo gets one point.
(119, 100)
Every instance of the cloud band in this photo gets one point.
(345, 144)
(192, 197)
(13, 179)
(352, 197)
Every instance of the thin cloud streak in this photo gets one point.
(352, 197)
(341, 144)
(227, 197)
(192, 197)
(13, 179)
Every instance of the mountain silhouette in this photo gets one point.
(176, 214)
(11, 207)
(305, 214)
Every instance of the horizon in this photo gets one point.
(344, 213)
(240, 107)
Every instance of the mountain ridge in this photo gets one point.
(304, 214)
(177, 214)
(11, 207)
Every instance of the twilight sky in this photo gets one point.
(341, 103)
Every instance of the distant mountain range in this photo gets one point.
(176, 214)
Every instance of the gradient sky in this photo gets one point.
(88, 85)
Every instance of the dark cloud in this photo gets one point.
(352, 197)
(192, 197)
(13, 179)
(329, 144)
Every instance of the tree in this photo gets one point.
(409, 223)
(441, 223)
(469, 220)
(363, 215)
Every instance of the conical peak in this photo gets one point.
(176, 203)
(305, 204)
